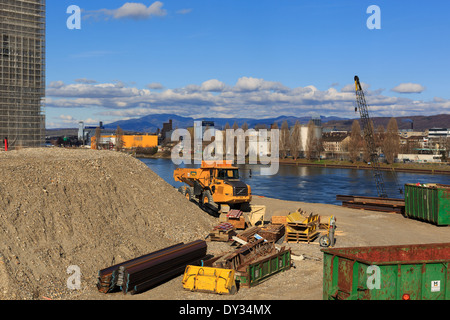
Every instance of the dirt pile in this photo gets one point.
(85, 208)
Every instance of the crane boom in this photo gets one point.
(368, 132)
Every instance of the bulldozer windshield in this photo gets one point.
(228, 174)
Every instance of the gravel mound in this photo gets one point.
(85, 208)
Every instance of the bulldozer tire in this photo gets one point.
(189, 193)
(207, 198)
(245, 207)
(182, 190)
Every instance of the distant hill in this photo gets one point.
(152, 122)
(417, 123)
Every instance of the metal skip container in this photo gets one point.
(408, 272)
(430, 203)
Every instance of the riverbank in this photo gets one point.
(92, 209)
(426, 168)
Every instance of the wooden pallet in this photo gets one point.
(239, 223)
(296, 237)
(297, 219)
(272, 232)
(222, 232)
(296, 233)
(248, 234)
(279, 220)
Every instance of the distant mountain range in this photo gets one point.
(151, 123)
(417, 123)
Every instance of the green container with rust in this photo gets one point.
(408, 272)
(261, 269)
(428, 202)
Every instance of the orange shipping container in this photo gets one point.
(131, 141)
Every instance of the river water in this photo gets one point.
(311, 184)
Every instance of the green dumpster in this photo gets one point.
(259, 270)
(428, 202)
(408, 272)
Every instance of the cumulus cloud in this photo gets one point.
(86, 81)
(213, 85)
(248, 97)
(155, 86)
(254, 84)
(66, 117)
(409, 88)
(56, 84)
(351, 87)
(130, 10)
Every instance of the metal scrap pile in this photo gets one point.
(140, 274)
(254, 261)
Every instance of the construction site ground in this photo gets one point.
(93, 209)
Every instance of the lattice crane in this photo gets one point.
(369, 137)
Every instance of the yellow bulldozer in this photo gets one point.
(215, 185)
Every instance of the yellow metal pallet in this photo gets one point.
(208, 279)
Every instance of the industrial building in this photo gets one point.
(129, 141)
(22, 72)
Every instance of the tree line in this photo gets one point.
(386, 141)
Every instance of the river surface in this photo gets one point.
(310, 184)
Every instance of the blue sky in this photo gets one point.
(244, 58)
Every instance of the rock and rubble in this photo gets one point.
(85, 208)
(64, 208)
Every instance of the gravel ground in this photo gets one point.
(92, 209)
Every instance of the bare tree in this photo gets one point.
(119, 139)
(391, 144)
(284, 139)
(445, 146)
(355, 141)
(98, 136)
(379, 136)
(295, 142)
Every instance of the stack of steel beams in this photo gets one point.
(142, 273)
(373, 203)
(253, 262)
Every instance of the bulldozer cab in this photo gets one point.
(227, 174)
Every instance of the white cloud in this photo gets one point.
(155, 86)
(56, 84)
(66, 117)
(86, 81)
(409, 88)
(130, 10)
(351, 87)
(254, 84)
(249, 97)
(213, 85)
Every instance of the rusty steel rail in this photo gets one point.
(243, 255)
(142, 273)
(372, 203)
